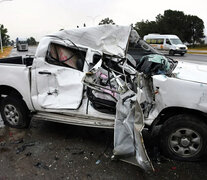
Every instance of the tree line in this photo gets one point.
(6, 38)
(188, 28)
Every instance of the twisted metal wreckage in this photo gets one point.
(117, 83)
(91, 76)
(134, 87)
(115, 86)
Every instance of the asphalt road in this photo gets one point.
(192, 58)
(57, 151)
(31, 51)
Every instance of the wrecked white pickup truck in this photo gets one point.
(108, 77)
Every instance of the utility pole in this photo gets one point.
(1, 1)
(1, 42)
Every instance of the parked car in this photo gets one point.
(166, 43)
(108, 77)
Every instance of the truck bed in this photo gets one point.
(18, 60)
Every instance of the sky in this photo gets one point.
(36, 18)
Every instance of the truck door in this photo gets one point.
(58, 79)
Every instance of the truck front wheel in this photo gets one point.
(171, 52)
(183, 137)
(14, 112)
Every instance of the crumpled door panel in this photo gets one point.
(129, 121)
(128, 140)
(60, 90)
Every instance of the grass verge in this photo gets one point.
(6, 51)
(198, 49)
(197, 52)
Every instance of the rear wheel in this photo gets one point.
(182, 54)
(183, 137)
(14, 112)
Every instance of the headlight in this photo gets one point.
(177, 48)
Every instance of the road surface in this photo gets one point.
(31, 51)
(193, 58)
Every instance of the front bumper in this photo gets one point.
(180, 51)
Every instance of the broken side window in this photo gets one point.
(65, 56)
(168, 41)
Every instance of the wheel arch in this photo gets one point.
(171, 111)
(8, 90)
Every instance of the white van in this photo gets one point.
(167, 43)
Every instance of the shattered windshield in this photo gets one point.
(176, 41)
(23, 42)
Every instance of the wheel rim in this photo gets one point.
(185, 142)
(11, 114)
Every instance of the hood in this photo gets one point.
(109, 39)
(191, 72)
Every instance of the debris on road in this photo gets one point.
(28, 154)
(98, 162)
(173, 168)
(24, 146)
(20, 149)
(21, 140)
(41, 165)
(75, 151)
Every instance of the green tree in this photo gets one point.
(187, 27)
(146, 27)
(12, 42)
(195, 29)
(31, 41)
(5, 37)
(106, 21)
(172, 22)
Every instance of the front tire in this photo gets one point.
(171, 52)
(183, 137)
(14, 112)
